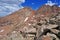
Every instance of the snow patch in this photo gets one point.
(2, 30)
(29, 24)
(26, 19)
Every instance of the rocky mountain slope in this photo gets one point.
(27, 24)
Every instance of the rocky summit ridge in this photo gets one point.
(28, 24)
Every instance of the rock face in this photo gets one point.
(15, 19)
(48, 25)
(27, 24)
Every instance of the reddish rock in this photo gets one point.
(28, 20)
(46, 38)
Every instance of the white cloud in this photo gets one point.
(22, 1)
(59, 6)
(8, 6)
(13, 1)
(50, 3)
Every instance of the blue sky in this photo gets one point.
(9, 6)
(35, 4)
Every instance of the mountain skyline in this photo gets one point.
(36, 23)
(9, 6)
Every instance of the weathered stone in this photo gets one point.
(25, 24)
(50, 26)
(46, 38)
(53, 36)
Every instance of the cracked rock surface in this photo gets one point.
(27, 24)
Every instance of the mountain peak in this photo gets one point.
(26, 19)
